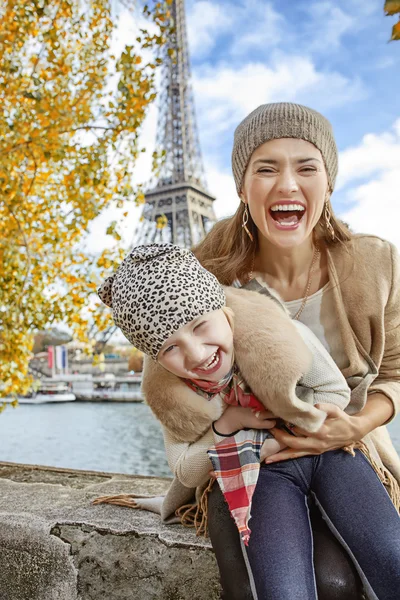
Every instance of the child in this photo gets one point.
(175, 311)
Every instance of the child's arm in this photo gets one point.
(275, 353)
(189, 462)
(272, 356)
(323, 382)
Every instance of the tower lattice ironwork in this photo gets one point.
(180, 193)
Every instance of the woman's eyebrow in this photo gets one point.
(270, 161)
(304, 160)
(266, 161)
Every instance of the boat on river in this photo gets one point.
(85, 388)
(114, 389)
(48, 391)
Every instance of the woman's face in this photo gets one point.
(285, 186)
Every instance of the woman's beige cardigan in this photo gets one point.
(365, 277)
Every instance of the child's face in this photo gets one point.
(201, 349)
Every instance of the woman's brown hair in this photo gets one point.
(227, 250)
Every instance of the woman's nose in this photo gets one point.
(287, 182)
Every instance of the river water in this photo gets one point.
(100, 436)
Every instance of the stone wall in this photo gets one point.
(55, 545)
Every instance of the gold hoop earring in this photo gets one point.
(245, 220)
(327, 221)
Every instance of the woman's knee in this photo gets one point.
(387, 561)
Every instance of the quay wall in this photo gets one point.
(55, 545)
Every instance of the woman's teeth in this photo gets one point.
(211, 363)
(285, 207)
(287, 215)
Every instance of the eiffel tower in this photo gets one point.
(180, 192)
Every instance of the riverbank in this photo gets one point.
(54, 544)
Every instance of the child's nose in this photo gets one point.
(195, 355)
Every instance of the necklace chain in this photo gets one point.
(308, 286)
(309, 280)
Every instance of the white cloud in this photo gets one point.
(375, 153)
(385, 62)
(258, 27)
(250, 25)
(247, 27)
(378, 207)
(377, 201)
(326, 26)
(205, 21)
(362, 8)
(222, 186)
(225, 94)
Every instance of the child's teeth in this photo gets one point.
(211, 362)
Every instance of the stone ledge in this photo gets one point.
(55, 545)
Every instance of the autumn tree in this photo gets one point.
(392, 7)
(70, 118)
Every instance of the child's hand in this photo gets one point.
(238, 417)
(270, 447)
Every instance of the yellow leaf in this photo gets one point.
(140, 199)
(396, 32)
(161, 222)
(392, 7)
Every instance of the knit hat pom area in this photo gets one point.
(283, 120)
(156, 290)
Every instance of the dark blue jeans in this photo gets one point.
(357, 509)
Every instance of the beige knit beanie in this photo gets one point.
(283, 120)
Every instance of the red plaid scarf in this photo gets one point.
(235, 458)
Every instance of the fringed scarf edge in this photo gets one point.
(388, 480)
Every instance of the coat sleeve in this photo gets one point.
(189, 462)
(388, 379)
(323, 382)
(272, 357)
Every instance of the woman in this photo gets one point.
(346, 288)
(284, 239)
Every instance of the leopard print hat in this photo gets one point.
(156, 290)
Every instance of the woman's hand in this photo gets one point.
(339, 430)
(238, 417)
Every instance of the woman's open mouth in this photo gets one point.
(287, 216)
(211, 366)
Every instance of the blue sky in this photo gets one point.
(332, 56)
